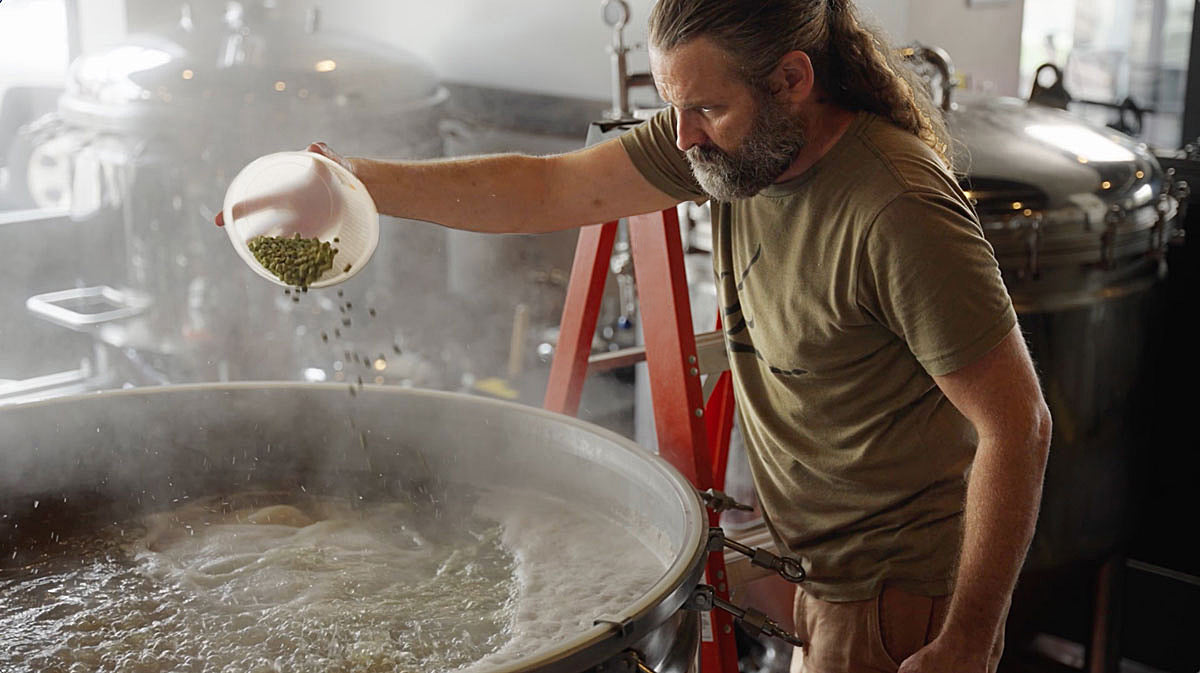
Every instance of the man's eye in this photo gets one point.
(706, 109)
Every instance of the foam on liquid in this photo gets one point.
(253, 584)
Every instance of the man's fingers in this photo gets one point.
(325, 151)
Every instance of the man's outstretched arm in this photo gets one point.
(508, 193)
(1000, 395)
(512, 193)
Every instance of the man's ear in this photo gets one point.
(794, 78)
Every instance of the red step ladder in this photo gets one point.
(692, 435)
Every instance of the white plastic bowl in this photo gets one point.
(307, 193)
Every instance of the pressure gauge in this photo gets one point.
(615, 13)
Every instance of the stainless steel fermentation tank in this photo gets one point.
(1080, 218)
(147, 137)
(72, 463)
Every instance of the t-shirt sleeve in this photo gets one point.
(931, 277)
(651, 147)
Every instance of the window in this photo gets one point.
(1113, 49)
(33, 43)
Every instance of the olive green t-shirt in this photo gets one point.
(842, 292)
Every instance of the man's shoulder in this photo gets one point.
(651, 148)
(912, 164)
(868, 169)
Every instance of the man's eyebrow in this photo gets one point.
(682, 105)
(685, 105)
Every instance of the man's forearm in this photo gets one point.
(513, 193)
(498, 194)
(1003, 495)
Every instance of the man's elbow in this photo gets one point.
(1043, 430)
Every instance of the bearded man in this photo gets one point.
(896, 430)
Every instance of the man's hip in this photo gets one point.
(874, 635)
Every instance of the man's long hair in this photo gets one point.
(853, 63)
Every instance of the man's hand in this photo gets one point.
(944, 655)
(323, 150)
(316, 148)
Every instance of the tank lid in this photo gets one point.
(1077, 214)
(246, 54)
(1017, 156)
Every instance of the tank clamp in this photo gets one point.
(788, 567)
(704, 598)
(623, 626)
(720, 502)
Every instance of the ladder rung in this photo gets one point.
(710, 356)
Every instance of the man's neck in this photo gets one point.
(825, 124)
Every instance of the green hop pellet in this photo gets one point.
(296, 261)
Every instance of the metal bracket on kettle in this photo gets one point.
(1108, 240)
(629, 661)
(1031, 224)
(719, 502)
(1181, 192)
(789, 568)
(704, 598)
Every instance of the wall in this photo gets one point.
(101, 22)
(983, 40)
(557, 47)
(33, 47)
(542, 46)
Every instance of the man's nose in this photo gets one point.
(687, 132)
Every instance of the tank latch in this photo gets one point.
(704, 598)
(789, 568)
(719, 502)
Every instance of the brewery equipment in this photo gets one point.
(147, 137)
(1080, 219)
(72, 464)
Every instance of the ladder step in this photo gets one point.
(710, 356)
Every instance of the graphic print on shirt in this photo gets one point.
(739, 325)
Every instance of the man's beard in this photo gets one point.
(765, 153)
